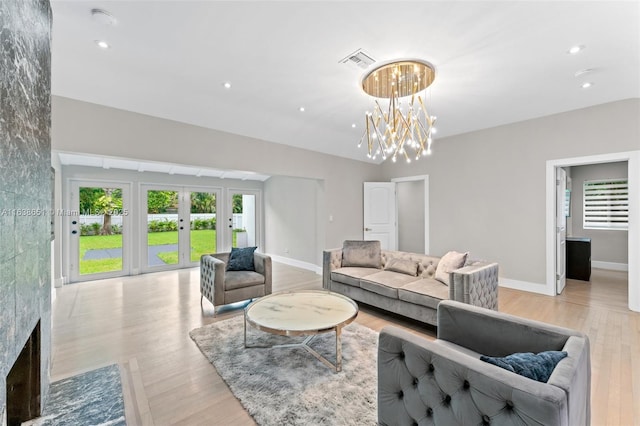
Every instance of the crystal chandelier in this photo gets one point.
(404, 129)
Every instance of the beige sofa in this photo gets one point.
(372, 279)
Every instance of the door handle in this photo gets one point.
(368, 229)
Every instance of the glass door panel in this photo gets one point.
(98, 228)
(243, 221)
(162, 227)
(202, 234)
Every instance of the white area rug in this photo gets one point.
(289, 386)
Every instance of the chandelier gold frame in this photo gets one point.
(406, 128)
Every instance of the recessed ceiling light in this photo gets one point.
(586, 85)
(353, 126)
(301, 109)
(574, 50)
(102, 44)
(227, 85)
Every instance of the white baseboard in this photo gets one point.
(524, 286)
(58, 282)
(610, 265)
(297, 263)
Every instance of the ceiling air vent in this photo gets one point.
(358, 58)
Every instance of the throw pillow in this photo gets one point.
(449, 263)
(365, 254)
(534, 366)
(241, 259)
(403, 266)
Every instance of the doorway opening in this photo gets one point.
(633, 171)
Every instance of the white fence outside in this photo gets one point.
(117, 220)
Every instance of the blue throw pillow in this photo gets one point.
(534, 366)
(241, 259)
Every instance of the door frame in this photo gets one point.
(72, 251)
(633, 175)
(424, 178)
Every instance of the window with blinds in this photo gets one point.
(606, 204)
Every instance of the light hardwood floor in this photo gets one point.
(142, 324)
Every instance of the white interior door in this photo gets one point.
(380, 210)
(561, 229)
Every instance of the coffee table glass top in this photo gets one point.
(304, 311)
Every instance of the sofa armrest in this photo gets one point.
(495, 333)
(331, 259)
(262, 263)
(212, 271)
(476, 285)
(418, 376)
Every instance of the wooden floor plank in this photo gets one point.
(147, 318)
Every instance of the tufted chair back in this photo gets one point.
(425, 382)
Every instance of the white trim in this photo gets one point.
(297, 263)
(613, 266)
(58, 282)
(633, 177)
(426, 204)
(525, 286)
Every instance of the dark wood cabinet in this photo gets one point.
(579, 258)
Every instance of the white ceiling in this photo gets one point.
(496, 62)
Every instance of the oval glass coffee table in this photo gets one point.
(302, 313)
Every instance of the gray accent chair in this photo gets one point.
(222, 287)
(443, 382)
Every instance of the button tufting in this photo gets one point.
(447, 399)
(429, 412)
(466, 384)
(431, 367)
(509, 405)
(400, 394)
(415, 381)
(486, 420)
(401, 355)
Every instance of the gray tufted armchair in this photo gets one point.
(443, 382)
(222, 287)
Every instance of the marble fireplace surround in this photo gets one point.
(25, 173)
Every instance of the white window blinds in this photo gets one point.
(606, 204)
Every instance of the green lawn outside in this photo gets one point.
(202, 241)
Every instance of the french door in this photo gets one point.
(98, 228)
(179, 225)
(243, 218)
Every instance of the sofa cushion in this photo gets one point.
(449, 263)
(426, 292)
(403, 266)
(240, 279)
(365, 254)
(386, 283)
(351, 275)
(534, 366)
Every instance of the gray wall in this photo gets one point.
(89, 128)
(606, 245)
(25, 173)
(291, 222)
(410, 196)
(487, 188)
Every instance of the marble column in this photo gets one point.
(25, 176)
